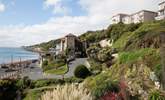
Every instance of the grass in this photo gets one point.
(53, 65)
(33, 95)
(121, 42)
(128, 57)
(59, 71)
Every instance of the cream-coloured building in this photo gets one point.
(161, 11)
(118, 18)
(138, 17)
(143, 16)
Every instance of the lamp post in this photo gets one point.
(162, 53)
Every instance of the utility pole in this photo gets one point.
(162, 53)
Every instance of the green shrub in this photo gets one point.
(101, 84)
(45, 63)
(81, 71)
(47, 82)
(158, 71)
(155, 95)
(108, 86)
(23, 83)
(73, 80)
(95, 66)
(8, 89)
(105, 54)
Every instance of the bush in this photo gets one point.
(81, 72)
(45, 63)
(158, 71)
(8, 89)
(101, 84)
(23, 83)
(47, 82)
(102, 89)
(155, 95)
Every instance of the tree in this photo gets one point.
(81, 72)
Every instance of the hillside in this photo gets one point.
(130, 69)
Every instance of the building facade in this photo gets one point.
(71, 45)
(118, 18)
(138, 17)
(161, 11)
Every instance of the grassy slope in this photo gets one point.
(58, 71)
(138, 47)
(139, 55)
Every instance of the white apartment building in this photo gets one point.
(118, 18)
(143, 16)
(138, 17)
(161, 11)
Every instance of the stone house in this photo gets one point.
(71, 45)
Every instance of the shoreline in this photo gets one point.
(17, 63)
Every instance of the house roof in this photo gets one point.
(70, 35)
(122, 14)
(143, 11)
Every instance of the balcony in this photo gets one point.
(160, 17)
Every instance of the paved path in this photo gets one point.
(72, 66)
(35, 72)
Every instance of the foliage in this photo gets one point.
(95, 66)
(93, 50)
(105, 54)
(156, 95)
(33, 95)
(74, 92)
(8, 89)
(73, 80)
(116, 30)
(81, 71)
(147, 53)
(93, 36)
(58, 71)
(146, 36)
(57, 66)
(101, 84)
(23, 83)
(45, 63)
(47, 82)
(46, 45)
(158, 71)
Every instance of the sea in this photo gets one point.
(8, 55)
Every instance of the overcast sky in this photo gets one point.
(26, 22)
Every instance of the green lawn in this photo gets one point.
(34, 94)
(60, 71)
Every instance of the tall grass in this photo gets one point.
(67, 92)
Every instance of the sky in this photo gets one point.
(28, 22)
